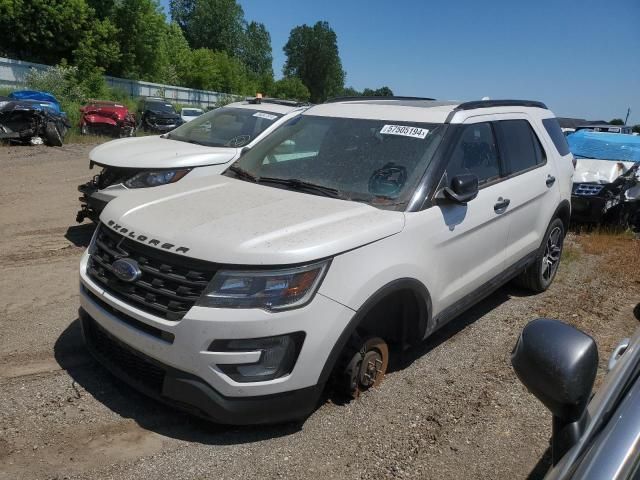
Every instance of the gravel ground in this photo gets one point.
(454, 410)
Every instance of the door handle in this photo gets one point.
(501, 205)
(550, 180)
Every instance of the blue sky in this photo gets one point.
(580, 57)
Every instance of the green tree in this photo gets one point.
(98, 49)
(290, 88)
(178, 56)
(141, 31)
(380, 92)
(350, 92)
(43, 31)
(636, 128)
(214, 24)
(202, 73)
(616, 121)
(256, 50)
(102, 8)
(312, 55)
(234, 75)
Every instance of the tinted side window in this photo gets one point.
(519, 146)
(475, 153)
(552, 127)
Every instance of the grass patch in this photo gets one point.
(570, 253)
(74, 136)
(619, 253)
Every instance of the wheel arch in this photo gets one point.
(419, 327)
(563, 212)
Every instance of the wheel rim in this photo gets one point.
(552, 252)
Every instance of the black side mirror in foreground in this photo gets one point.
(558, 363)
(463, 189)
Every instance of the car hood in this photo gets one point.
(590, 170)
(229, 221)
(158, 152)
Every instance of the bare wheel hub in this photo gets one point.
(371, 369)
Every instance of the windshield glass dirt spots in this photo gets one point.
(375, 161)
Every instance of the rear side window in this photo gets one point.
(552, 127)
(519, 146)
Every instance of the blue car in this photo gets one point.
(32, 117)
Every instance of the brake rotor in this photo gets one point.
(368, 366)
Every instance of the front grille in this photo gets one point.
(169, 286)
(587, 189)
(132, 322)
(122, 358)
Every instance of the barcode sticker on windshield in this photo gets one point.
(268, 116)
(405, 131)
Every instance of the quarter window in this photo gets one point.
(476, 153)
(552, 127)
(519, 146)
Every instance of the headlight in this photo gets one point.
(153, 179)
(270, 290)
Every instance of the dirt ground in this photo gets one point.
(456, 409)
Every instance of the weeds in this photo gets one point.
(570, 253)
(619, 253)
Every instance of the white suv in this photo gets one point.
(203, 146)
(356, 228)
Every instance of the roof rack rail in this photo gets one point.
(276, 101)
(499, 103)
(347, 98)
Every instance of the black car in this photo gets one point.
(157, 115)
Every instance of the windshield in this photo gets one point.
(160, 107)
(373, 161)
(191, 112)
(225, 127)
(605, 146)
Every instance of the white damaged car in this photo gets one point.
(606, 183)
(204, 146)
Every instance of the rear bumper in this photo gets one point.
(188, 392)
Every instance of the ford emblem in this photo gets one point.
(126, 269)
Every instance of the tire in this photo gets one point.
(362, 366)
(84, 129)
(539, 276)
(52, 135)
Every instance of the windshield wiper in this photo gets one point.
(297, 184)
(242, 173)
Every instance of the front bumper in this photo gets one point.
(188, 392)
(191, 377)
(93, 201)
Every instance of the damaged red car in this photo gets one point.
(107, 118)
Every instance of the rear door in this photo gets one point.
(531, 186)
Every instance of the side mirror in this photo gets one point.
(558, 364)
(463, 189)
(285, 148)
